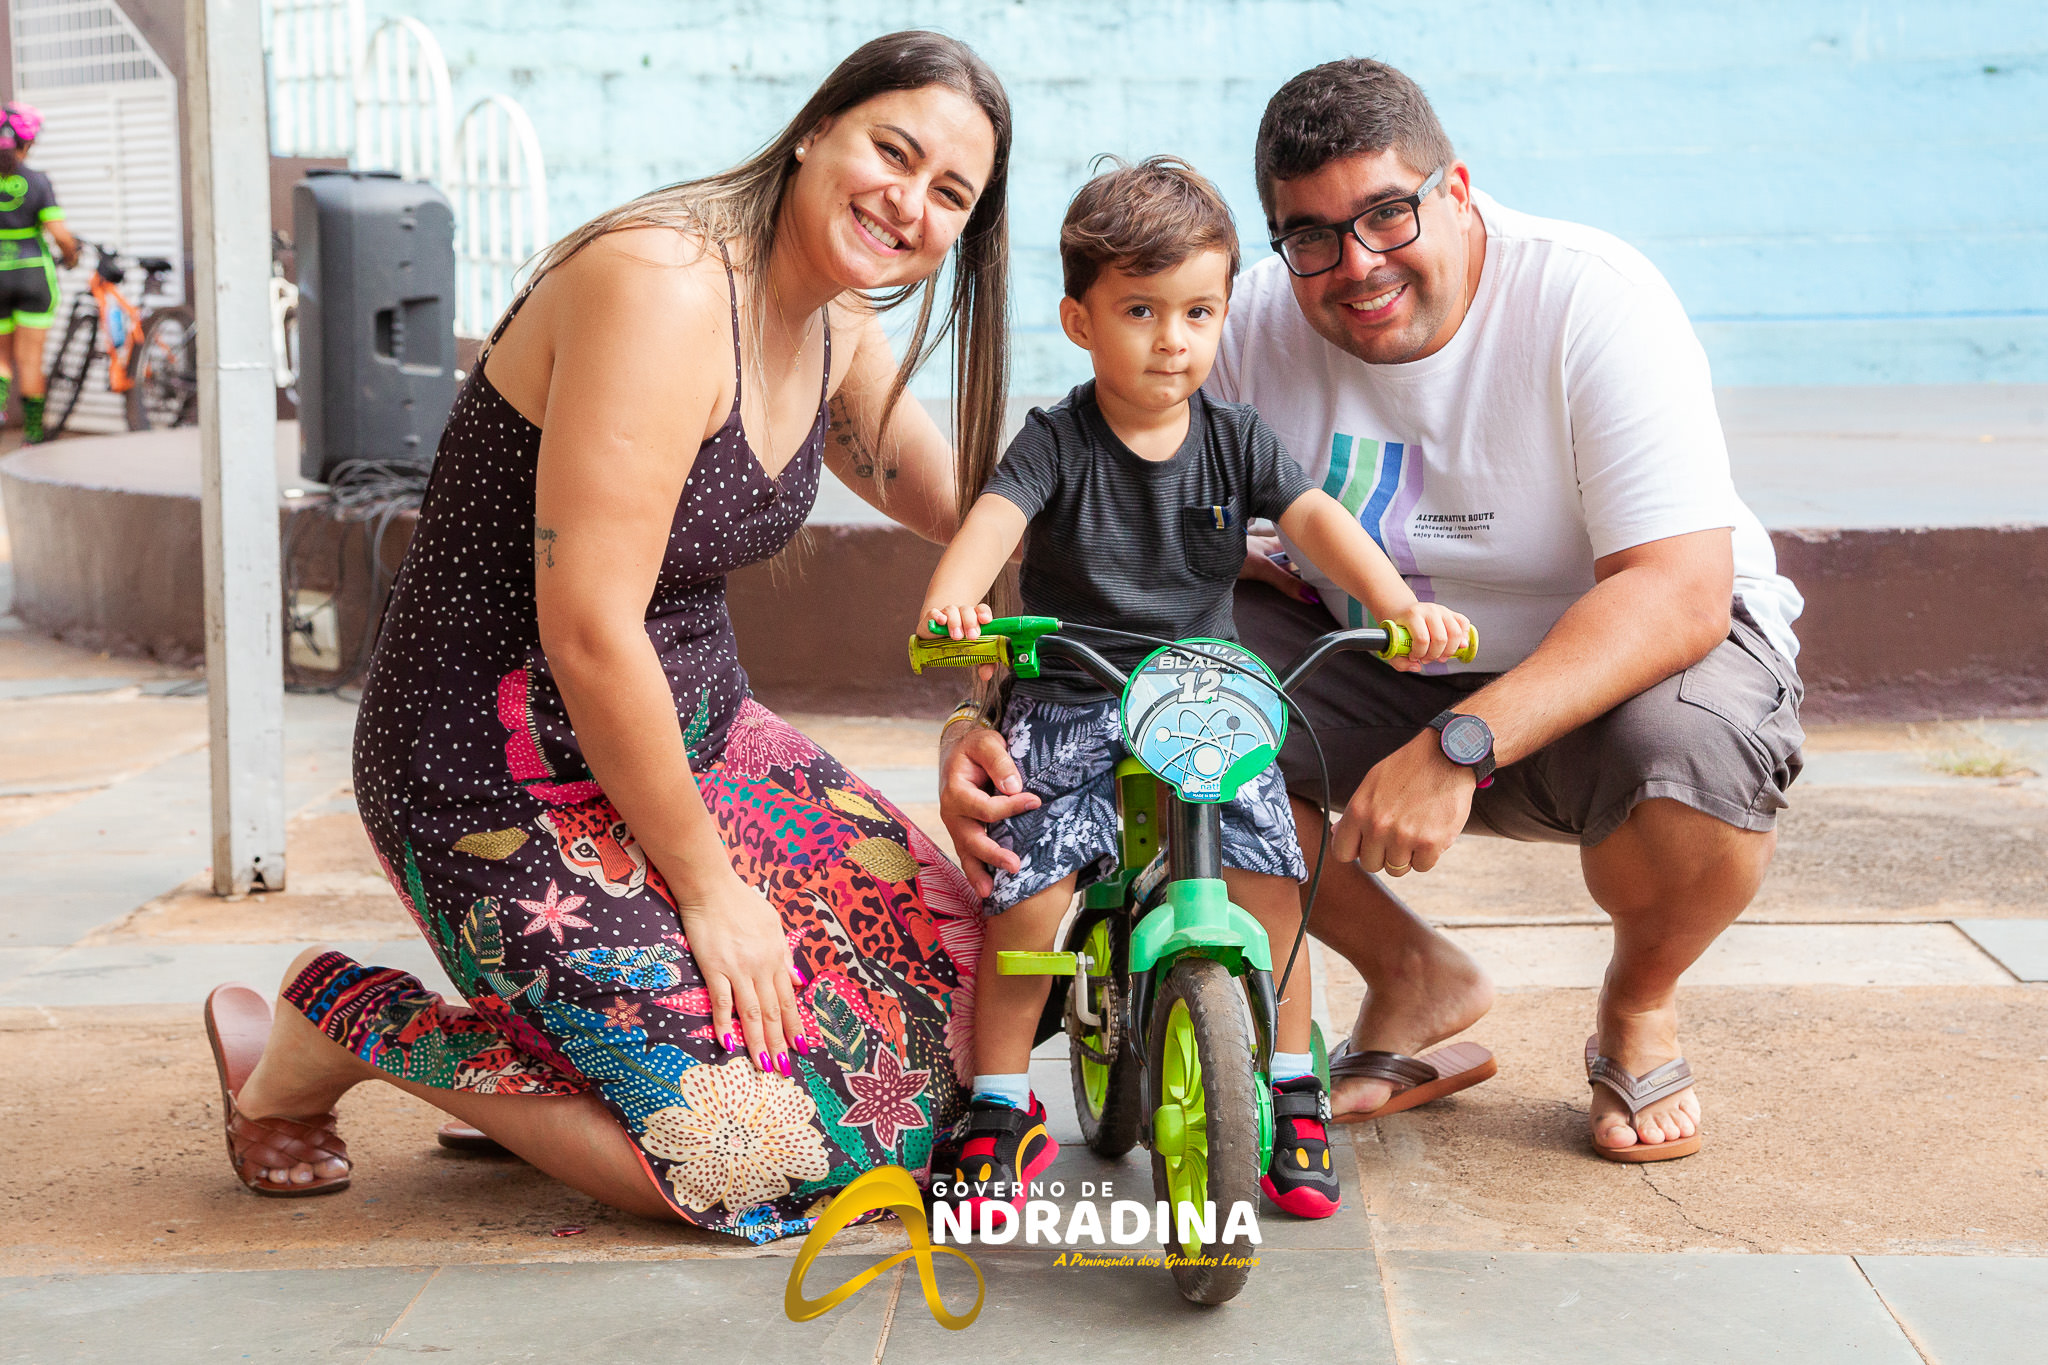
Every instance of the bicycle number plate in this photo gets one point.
(1200, 724)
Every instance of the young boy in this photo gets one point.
(1131, 496)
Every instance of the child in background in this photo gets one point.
(1131, 496)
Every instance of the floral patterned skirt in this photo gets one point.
(567, 946)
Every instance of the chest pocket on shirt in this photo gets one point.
(1213, 539)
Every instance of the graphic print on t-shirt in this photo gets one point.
(1380, 482)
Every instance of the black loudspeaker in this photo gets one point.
(376, 261)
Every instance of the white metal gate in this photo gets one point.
(109, 145)
(405, 120)
(500, 189)
(314, 49)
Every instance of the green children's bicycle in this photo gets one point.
(1172, 1005)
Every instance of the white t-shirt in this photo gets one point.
(1569, 418)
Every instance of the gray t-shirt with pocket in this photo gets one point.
(1135, 544)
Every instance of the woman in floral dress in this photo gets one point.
(709, 973)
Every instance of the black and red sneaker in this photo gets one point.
(1302, 1180)
(1002, 1149)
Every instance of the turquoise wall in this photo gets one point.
(1841, 193)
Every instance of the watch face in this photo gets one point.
(1466, 740)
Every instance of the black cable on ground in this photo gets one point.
(373, 494)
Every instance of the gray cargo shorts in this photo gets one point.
(1721, 737)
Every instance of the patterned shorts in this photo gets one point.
(1068, 756)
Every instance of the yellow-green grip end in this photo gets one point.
(949, 653)
(1035, 964)
(1400, 642)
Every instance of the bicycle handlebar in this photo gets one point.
(1015, 642)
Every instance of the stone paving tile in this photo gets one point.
(145, 835)
(2021, 946)
(178, 973)
(1966, 1311)
(1571, 955)
(15, 961)
(1469, 1308)
(170, 1319)
(1036, 1311)
(729, 1310)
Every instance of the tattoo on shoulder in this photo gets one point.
(544, 544)
(853, 447)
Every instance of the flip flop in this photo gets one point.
(1417, 1080)
(458, 1136)
(237, 1027)
(1639, 1093)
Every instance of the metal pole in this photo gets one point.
(225, 117)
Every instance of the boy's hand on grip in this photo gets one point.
(1436, 633)
(959, 623)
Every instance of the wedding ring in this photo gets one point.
(1393, 869)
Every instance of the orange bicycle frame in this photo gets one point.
(116, 311)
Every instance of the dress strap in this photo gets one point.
(732, 292)
(518, 302)
(825, 379)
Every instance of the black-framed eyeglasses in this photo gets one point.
(1386, 226)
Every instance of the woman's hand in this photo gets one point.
(961, 623)
(737, 940)
(978, 785)
(1436, 632)
(1266, 562)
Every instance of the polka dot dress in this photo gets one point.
(548, 914)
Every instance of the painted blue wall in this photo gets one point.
(1841, 193)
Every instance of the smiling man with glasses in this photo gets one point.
(1518, 411)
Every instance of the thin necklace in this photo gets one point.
(801, 341)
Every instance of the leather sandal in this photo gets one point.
(1639, 1093)
(238, 1024)
(1417, 1080)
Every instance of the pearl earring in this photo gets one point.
(799, 151)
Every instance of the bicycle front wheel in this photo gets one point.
(1205, 1132)
(65, 380)
(166, 392)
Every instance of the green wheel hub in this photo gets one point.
(1180, 1126)
(1094, 1074)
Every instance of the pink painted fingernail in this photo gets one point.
(782, 1064)
(764, 1062)
(1310, 595)
(801, 1044)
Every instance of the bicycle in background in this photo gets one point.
(150, 354)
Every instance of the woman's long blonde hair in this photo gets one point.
(743, 206)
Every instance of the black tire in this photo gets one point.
(166, 372)
(1215, 1006)
(73, 361)
(1111, 1128)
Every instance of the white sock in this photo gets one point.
(1013, 1090)
(1287, 1066)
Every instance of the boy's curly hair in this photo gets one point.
(1142, 219)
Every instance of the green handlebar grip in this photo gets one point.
(1398, 641)
(1035, 964)
(1008, 640)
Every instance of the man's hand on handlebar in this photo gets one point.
(1436, 632)
(978, 785)
(957, 622)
